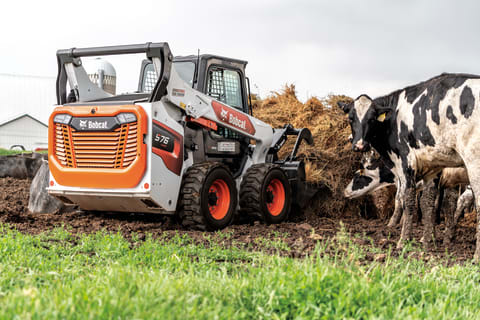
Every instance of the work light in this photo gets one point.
(62, 118)
(126, 117)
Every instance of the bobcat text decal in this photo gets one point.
(233, 117)
(95, 123)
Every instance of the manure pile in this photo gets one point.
(330, 162)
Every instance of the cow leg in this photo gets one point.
(464, 204)
(474, 177)
(451, 221)
(476, 256)
(397, 212)
(427, 204)
(409, 209)
(464, 201)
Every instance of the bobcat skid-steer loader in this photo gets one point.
(179, 139)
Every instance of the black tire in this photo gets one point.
(256, 193)
(199, 207)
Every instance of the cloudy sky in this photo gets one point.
(341, 46)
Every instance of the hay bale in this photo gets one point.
(330, 161)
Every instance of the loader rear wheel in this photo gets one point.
(265, 193)
(208, 197)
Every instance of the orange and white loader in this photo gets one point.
(181, 140)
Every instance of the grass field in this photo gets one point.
(5, 152)
(104, 276)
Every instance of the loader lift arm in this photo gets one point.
(280, 136)
(153, 51)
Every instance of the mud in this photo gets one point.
(298, 236)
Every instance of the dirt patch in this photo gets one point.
(296, 238)
(13, 197)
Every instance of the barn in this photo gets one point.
(24, 132)
(25, 104)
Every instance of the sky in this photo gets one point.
(342, 47)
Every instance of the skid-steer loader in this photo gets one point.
(183, 141)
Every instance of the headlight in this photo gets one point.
(62, 118)
(126, 117)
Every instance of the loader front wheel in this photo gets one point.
(208, 197)
(265, 193)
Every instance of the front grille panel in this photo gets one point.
(63, 147)
(111, 150)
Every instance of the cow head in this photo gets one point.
(374, 175)
(363, 114)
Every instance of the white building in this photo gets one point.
(25, 132)
(25, 105)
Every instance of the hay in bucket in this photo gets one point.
(330, 162)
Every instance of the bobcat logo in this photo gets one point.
(83, 124)
(224, 114)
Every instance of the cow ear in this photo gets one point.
(344, 106)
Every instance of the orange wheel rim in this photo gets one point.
(218, 199)
(275, 197)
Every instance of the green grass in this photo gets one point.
(5, 152)
(104, 276)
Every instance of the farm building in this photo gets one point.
(25, 103)
(25, 132)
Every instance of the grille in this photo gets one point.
(79, 149)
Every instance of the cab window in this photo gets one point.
(225, 86)
(185, 70)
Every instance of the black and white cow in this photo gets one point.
(374, 175)
(421, 129)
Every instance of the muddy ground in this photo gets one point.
(300, 235)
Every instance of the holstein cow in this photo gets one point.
(375, 175)
(421, 129)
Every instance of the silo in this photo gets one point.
(102, 73)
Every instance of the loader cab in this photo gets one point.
(223, 79)
(219, 77)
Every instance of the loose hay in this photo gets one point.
(330, 161)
